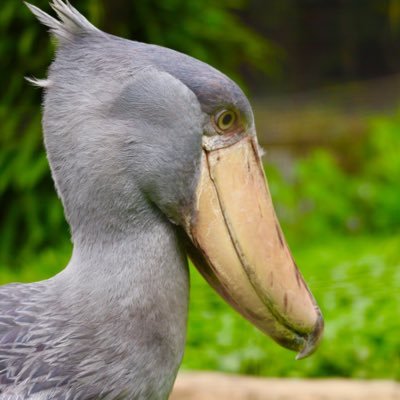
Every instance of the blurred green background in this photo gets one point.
(324, 80)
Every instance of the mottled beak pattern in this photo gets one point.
(244, 255)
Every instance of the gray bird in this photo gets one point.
(154, 156)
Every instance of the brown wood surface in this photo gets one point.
(216, 386)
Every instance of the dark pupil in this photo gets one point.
(227, 119)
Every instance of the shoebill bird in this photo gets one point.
(155, 157)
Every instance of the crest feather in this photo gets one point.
(70, 22)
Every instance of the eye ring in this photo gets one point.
(225, 120)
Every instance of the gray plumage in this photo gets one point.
(123, 123)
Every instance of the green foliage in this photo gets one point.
(37, 266)
(208, 30)
(323, 198)
(31, 217)
(28, 209)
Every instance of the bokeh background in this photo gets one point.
(324, 79)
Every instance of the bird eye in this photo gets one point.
(225, 120)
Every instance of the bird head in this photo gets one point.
(129, 124)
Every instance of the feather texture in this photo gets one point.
(70, 24)
(26, 343)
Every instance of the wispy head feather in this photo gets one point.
(70, 23)
(42, 83)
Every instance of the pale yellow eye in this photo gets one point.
(225, 120)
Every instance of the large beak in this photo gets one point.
(240, 249)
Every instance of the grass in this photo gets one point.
(356, 281)
(37, 267)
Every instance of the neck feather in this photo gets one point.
(131, 288)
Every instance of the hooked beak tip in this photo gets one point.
(312, 340)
